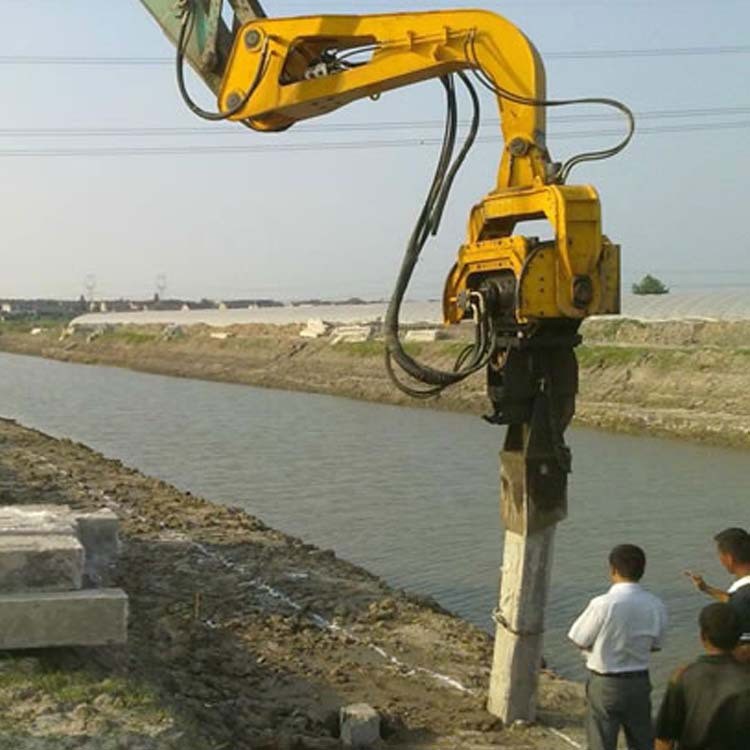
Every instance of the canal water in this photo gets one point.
(408, 493)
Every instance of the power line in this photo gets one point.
(145, 132)
(96, 61)
(740, 49)
(83, 61)
(342, 145)
(397, 5)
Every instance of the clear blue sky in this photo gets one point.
(333, 223)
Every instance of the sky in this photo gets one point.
(333, 222)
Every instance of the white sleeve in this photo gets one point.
(661, 627)
(586, 628)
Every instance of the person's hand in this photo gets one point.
(697, 580)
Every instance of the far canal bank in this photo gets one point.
(688, 379)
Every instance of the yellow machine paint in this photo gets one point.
(572, 275)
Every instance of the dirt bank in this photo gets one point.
(242, 637)
(688, 379)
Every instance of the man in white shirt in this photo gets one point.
(618, 631)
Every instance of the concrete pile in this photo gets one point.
(52, 562)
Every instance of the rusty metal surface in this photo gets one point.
(536, 391)
(209, 45)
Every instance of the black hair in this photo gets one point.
(720, 625)
(629, 561)
(734, 542)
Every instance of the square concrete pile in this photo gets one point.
(53, 562)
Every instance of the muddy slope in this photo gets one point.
(687, 379)
(243, 637)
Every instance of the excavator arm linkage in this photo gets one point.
(271, 73)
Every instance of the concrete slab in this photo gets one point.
(51, 562)
(93, 617)
(360, 725)
(314, 329)
(351, 334)
(18, 520)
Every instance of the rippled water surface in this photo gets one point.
(410, 494)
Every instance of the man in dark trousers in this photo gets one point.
(619, 630)
(733, 548)
(707, 703)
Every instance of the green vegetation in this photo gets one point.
(363, 349)
(367, 349)
(134, 336)
(610, 356)
(26, 325)
(453, 348)
(675, 359)
(254, 342)
(650, 285)
(608, 329)
(28, 685)
(71, 687)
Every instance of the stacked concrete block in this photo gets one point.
(40, 563)
(51, 560)
(98, 532)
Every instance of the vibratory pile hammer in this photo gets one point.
(526, 295)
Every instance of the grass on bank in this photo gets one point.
(376, 348)
(26, 325)
(29, 683)
(663, 359)
(132, 337)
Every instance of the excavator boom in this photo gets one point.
(526, 295)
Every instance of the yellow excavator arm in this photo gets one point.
(286, 70)
(526, 295)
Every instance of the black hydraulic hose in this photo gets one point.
(188, 22)
(428, 223)
(437, 214)
(486, 80)
(413, 250)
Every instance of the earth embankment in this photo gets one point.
(243, 637)
(686, 379)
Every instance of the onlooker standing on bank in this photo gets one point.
(619, 630)
(733, 547)
(707, 703)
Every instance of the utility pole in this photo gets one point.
(89, 285)
(161, 287)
